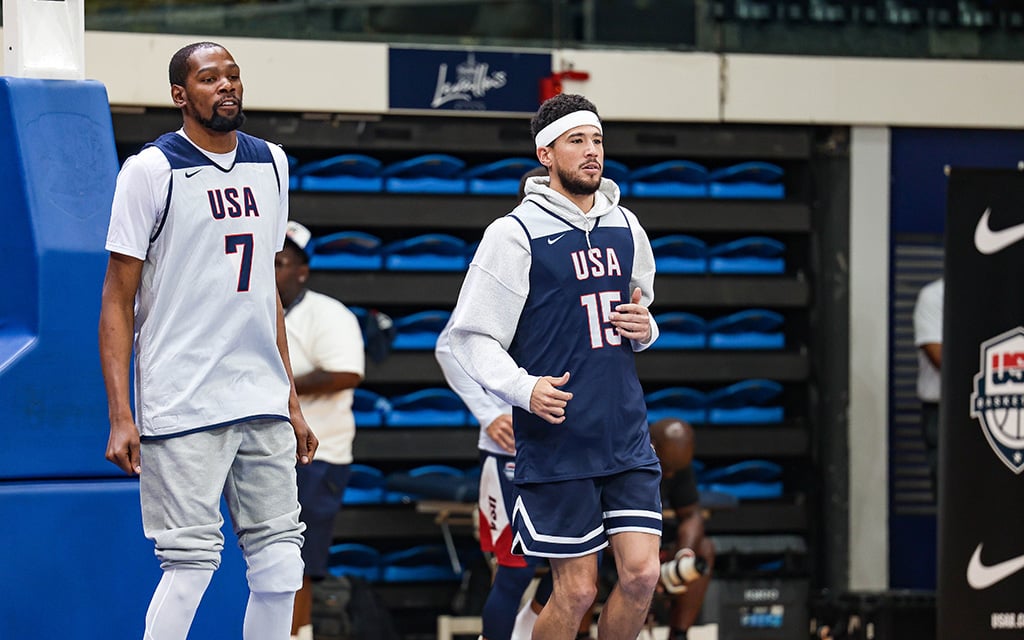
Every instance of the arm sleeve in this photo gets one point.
(139, 201)
(484, 406)
(643, 275)
(928, 316)
(487, 314)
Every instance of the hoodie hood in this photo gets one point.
(538, 190)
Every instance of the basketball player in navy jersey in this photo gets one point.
(197, 218)
(552, 309)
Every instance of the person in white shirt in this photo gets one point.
(196, 220)
(928, 339)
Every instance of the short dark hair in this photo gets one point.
(177, 71)
(555, 107)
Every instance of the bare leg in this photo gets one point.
(636, 560)
(574, 590)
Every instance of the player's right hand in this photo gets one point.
(548, 401)
(500, 430)
(123, 446)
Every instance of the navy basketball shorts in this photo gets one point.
(321, 487)
(494, 509)
(574, 518)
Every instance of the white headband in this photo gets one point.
(569, 121)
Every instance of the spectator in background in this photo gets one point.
(326, 350)
(928, 339)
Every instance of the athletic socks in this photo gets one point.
(524, 622)
(499, 614)
(268, 616)
(175, 602)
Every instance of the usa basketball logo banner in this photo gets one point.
(981, 440)
(998, 391)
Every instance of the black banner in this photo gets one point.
(981, 444)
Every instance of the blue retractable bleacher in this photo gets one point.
(746, 402)
(617, 173)
(753, 255)
(761, 180)
(354, 559)
(347, 250)
(293, 180)
(350, 172)
(499, 178)
(747, 329)
(421, 563)
(365, 485)
(436, 482)
(434, 407)
(669, 179)
(428, 252)
(680, 253)
(419, 331)
(680, 330)
(747, 480)
(369, 408)
(81, 527)
(430, 173)
(683, 403)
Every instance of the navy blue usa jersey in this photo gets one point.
(576, 280)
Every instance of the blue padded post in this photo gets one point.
(83, 568)
(59, 169)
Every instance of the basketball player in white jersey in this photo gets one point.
(197, 218)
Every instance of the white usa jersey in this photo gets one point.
(206, 311)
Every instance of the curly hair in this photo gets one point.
(555, 107)
(177, 71)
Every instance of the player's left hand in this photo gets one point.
(306, 441)
(632, 320)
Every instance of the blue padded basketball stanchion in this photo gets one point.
(80, 553)
(59, 169)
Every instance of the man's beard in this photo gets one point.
(577, 186)
(220, 123)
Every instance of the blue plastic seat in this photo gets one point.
(421, 563)
(683, 403)
(680, 254)
(670, 179)
(745, 402)
(419, 331)
(347, 250)
(428, 252)
(748, 180)
(747, 480)
(437, 482)
(747, 329)
(365, 486)
(498, 178)
(435, 407)
(748, 255)
(431, 173)
(368, 408)
(617, 173)
(350, 172)
(352, 559)
(680, 330)
(293, 180)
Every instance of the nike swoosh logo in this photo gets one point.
(981, 577)
(988, 241)
(189, 175)
(555, 239)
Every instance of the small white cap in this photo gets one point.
(298, 234)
